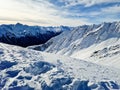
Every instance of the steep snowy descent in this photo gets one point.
(24, 69)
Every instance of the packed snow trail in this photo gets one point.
(24, 69)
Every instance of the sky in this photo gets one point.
(59, 12)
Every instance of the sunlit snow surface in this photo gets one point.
(24, 69)
(95, 43)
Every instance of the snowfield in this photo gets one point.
(24, 69)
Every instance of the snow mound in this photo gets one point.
(6, 64)
(39, 68)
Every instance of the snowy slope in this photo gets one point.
(24, 35)
(105, 53)
(24, 69)
(84, 41)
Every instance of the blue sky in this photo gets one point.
(59, 12)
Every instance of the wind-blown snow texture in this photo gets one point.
(24, 35)
(24, 69)
(96, 43)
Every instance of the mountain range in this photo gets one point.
(75, 58)
(96, 43)
(24, 35)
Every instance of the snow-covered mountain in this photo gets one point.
(25, 69)
(96, 43)
(24, 35)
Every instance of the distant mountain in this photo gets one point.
(24, 35)
(97, 43)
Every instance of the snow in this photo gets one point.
(86, 58)
(24, 35)
(84, 53)
(20, 30)
(25, 69)
(84, 41)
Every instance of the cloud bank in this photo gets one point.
(59, 12)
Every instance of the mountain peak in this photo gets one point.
(19, 24)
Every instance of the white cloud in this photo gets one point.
(35, 12)
(42, 12)
(113, 9)
(87, 3)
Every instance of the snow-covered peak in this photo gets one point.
(19, 28)
(25, 35)
(84, 36)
